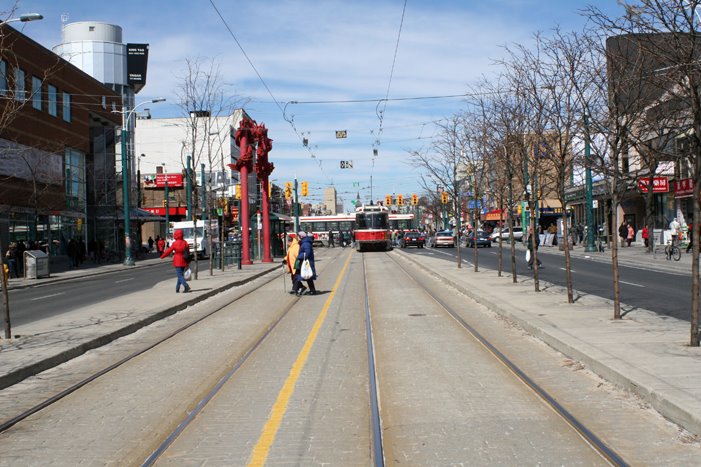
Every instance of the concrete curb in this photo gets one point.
(671, 403)
(35, 368)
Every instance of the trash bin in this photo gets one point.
(36, 264)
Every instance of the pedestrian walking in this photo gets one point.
(161, 245)
(623, 233)
(331, 242)
(150, 244)
(11, 258)
(306, 252)
(533, 242)
(646, 236)
(290, 262)
(690, 246)
(631, 234)
(181, 253)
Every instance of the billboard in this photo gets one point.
(137, 61)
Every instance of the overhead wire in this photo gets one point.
(265, 85)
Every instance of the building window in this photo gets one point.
(75, 180)
(66, 107)
(4, 87)
(20, 85)
(104, 103)
(52, 101)
(36, 93)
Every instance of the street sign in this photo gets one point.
(346, 164)
(341, 134)
(659, 184)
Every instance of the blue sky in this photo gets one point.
(329, 51)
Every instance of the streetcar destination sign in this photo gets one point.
(346, 164)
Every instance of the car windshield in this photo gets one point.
(411, 234)
(444, 234)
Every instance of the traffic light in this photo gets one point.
(444, 197)
(165, 203)
(288, 190)
(305, 188)
(415, 199)
(400, 200)
(238, 191)
(388, 200)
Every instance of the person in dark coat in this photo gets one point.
(306, 251)
(178, 248)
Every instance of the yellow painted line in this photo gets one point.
(267, 437)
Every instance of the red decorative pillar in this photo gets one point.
(244, 165)
(263, 171)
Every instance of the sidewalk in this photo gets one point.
(643, 353)
(633, 256)
(47, 343)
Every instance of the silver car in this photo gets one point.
(444, 238)
(504, 233)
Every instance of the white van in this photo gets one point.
(204, 230)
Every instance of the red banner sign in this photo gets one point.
(684, 188)
(172, 211)
(659, 184)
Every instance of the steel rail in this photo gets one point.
(589, 437)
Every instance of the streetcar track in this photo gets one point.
(377, 445)
(589, 437)
(7, 424)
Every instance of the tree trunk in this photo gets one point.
(534, 242)
(474, 236)
(514, 277)
(694, 340)
(568, 256)
(614, 254)
(5, 294)
(500, 256)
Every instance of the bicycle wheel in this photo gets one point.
(666, 252)
(676, 253)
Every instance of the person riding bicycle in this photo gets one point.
(675, 229)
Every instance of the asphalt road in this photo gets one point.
(666, 293)
(32, 304)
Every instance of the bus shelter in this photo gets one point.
(278, 226)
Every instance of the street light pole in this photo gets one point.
(24, 18)
(126, 115)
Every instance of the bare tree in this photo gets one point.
(202, 100)
(653, 79)
(443, 162)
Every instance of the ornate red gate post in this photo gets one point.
(263, 170)
(244, 165)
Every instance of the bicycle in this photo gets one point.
(672, 251)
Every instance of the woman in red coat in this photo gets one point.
(179, 247)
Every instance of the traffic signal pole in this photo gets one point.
(296, 201)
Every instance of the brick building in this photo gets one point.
(57, 149)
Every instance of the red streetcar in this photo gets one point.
(372, 228)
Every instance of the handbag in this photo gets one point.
(528, 255)
(306, 272)
(187, 274)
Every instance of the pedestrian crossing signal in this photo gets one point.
(415, 199)
(400, 200)
(444, 197)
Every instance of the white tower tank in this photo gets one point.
(97, 49)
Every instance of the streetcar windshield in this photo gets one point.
(371, 220)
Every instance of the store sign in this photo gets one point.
(684, 188)
(659, 184)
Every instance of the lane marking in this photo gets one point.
(630, 283)
(124, 280)
(262, 448)
(49, 296)
(565, 269)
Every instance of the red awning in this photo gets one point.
(494, 215)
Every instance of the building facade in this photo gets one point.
(57, 148)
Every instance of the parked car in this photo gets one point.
(482, 239)
(412, 239)
(504, 233)
(444, 238)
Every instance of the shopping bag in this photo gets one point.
(528, 255)
(306, 272)
(187, 274)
